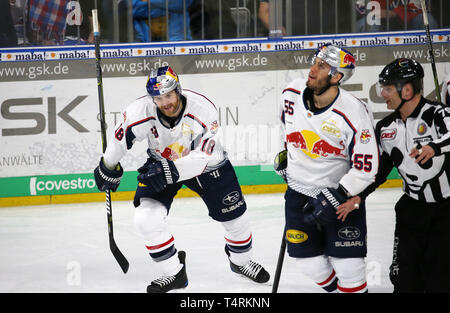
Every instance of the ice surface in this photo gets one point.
(64, 247)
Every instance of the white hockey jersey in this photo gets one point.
(335, 145)
(194, 143)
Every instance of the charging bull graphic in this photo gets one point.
(314, 146)
(297, 140)
(324, 149)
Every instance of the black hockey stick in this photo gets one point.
(430, 49)
(123, 262)
(279, 165)
(276, 279)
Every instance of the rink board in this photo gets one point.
(49, 104)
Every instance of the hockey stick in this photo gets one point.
(276, 279)
(112, 244)
(280, 165)
(430, 49)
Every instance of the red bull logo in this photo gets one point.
(297, 140)
(174, 152)
(365, 136)
(314, 146)
(347, 60)
(171, 73)
(324, 149)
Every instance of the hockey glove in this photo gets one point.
(280, 164)
(158, 174)
(106, 178)
(322, 210)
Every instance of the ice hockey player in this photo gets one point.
(332, 155)
(415, 139)
(184, 148)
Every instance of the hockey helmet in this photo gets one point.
(162, 81)
(399, 72)
(340, 60)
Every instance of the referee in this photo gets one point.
(415, 139)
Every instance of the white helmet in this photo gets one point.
(340, 60)
(162, 81)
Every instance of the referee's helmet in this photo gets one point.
(400, 72)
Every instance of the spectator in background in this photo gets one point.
(210, 26)
(46, 21)
(178, 19)
(414, 12)
(263, 14)
(18, 16)
(79, 22)
(395, 14)
(311, 17)
(8, 37)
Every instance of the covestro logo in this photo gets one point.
(47, 185)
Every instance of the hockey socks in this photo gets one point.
(330, 284)
(358, 288)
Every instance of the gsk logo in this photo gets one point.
(296, 236)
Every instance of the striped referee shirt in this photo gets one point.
(429, 124)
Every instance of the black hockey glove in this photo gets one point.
(158, 174)
(322, 210)
(280, 164)
(106, 178)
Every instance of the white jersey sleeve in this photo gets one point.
(129, 130)
(364, 157)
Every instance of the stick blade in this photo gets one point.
(120, 258)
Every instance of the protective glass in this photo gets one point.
(385, 89)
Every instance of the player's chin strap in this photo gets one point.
(399, 91)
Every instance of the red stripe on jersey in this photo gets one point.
(326, 281)
(195, 119)
(354, 289)
(345, 119)
(239, 242)
(141, 121)
(351, 126)
(292, 90)
(161, 245)
(201, 96)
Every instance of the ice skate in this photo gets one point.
(251, 270)
(167, 283)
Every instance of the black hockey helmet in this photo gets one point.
(402, 71)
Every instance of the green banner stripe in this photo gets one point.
(85, 183)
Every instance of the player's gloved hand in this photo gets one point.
(106, 178)
(280, 164)
(322, 210)
(158, 174)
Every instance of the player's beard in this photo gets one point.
(173, 110)
(319, 86)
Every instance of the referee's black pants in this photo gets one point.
(421, 258)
